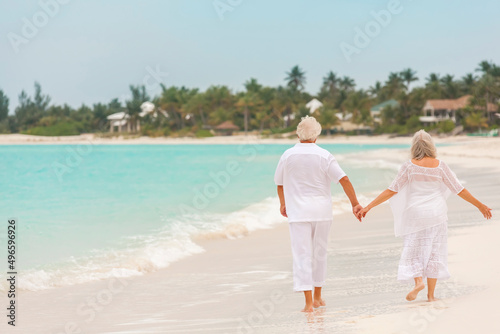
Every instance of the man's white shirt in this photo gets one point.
(306, 171)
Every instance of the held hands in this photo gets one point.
(362, 213)
(356, 209)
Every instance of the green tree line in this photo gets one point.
(182, 111)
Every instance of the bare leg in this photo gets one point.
(419, 286)
(309, 301)
(318, 301)
(431, 286)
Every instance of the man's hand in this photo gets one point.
(283, 210)
(356, 209)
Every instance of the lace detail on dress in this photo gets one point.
(450, 179)
(425, 254)
(401, 179)
(442, 172)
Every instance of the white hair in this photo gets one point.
(308, 129)
(422, 146)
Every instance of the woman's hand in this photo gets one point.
(485, 210)
(362, 213)
(283, 210)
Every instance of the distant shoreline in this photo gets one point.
(20, 139)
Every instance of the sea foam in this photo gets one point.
(141, 254)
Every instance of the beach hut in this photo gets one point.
(313, 105)
(226, 128)
(119, 120)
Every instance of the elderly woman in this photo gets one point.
(418, 201)
(303, 177)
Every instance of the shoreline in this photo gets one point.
(251, 272)
(21, 139)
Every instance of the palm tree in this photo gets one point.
(433, 84)
(328, 119)
(488, 87)
(296, 79)
(219, 96)
(404, 102)
(358, 104)
(249, 99)
(168, 101)
(196, 104)
(450, 86)
(375, 89)
(347, 84)
(283, 103)
(468, 82)
(485, 67)
(408, 76)
(252, 85)
(330, 82)
(139, 96)
(394, 84)
(432, 78)
(4, 106)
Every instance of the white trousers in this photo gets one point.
(309, 242)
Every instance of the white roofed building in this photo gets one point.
(121, 120)
(313, 105)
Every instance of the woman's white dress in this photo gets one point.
(420, 217)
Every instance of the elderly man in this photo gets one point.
(303, 177)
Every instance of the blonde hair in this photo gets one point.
(308, 129)
(422, 146)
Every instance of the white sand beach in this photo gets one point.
(244, 285)
(18, 139)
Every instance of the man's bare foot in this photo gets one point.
(432, 299)
(413, 293)
(308, 308)
(318, 302)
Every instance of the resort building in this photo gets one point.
(446, 109)
(118, 120)
(121, 120)
(376, 111)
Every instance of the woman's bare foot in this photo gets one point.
(308, 308)
(432, 299)
(414, 293)
(318, 302)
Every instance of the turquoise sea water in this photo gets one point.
(86, 212)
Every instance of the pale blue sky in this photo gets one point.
(91, 51)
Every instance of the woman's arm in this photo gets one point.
(384, 196)
(281, 195)
(485, 210)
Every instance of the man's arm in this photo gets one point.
(281, 195)
(349, 191)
